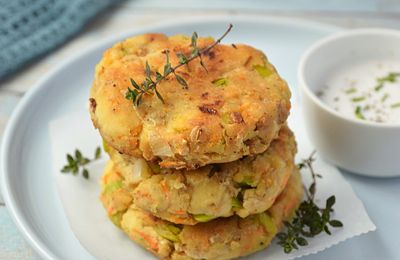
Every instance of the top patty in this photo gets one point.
(233, 109)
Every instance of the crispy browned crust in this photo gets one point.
(197, 126)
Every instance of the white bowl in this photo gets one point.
(359, 146)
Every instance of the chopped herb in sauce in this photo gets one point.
(379, 87)
(390, 78)
(364, 99)
(358, 99)
(320, 93)
(395, 105)
(351, 90)
(383, 99)
(358, 113)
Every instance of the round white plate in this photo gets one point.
(27, 183)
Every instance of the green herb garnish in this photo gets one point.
(149, 85)
(351, 90)
(395, 105)
(358, 113)
(379, 87)
(310, 220)
(383, 99)
(358, 99)
(74, 164)
(391, 77)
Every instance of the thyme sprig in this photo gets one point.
(150, 84)
(74, 163)
(310, 220)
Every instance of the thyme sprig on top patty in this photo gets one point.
(310, 220)
(149, 85)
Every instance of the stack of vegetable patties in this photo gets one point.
(202, 166)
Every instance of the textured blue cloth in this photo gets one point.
(29, 28)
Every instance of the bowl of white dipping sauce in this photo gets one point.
(350, 92)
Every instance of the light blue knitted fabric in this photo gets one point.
(30, 28)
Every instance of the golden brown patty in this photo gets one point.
(234, 109)
(244, 187)
(222, 238)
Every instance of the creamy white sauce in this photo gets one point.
(355, 88)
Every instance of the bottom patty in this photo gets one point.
(222, 238)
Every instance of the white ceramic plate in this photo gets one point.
(27, 183)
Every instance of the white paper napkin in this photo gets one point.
(88, 220)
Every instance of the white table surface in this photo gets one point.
(133, 14)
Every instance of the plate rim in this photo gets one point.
(17, 115)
